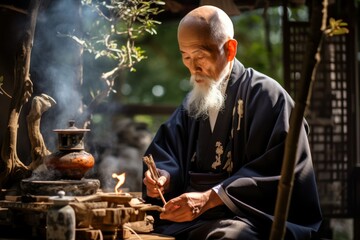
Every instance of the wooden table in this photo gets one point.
(152, 236)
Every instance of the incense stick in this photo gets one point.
(149, 161)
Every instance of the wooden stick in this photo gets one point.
(149, 161)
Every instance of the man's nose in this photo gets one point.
(195, 67)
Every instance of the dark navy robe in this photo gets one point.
(242, 156)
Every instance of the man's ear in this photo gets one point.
(232, 49)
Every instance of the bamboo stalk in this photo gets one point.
(149, 161)
(311, 61)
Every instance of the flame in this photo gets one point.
(121, 180)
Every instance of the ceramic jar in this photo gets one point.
(60, 219)
(71, 161)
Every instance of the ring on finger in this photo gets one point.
(195, 210)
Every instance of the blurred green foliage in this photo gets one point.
(162, 78)
(110, 34)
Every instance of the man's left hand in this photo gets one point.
(189, 206)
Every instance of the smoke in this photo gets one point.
(124, 154)
(57, 70)
(56, 65)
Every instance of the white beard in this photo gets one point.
(205, 97)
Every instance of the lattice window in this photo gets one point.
(327, 116)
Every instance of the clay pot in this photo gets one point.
(71, 161)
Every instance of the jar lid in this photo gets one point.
(72, 129)
(61, 199)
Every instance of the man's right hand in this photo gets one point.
(152, 185)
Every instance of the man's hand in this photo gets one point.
(152, 186)
(189, 206)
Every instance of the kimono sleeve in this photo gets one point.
(170, 150)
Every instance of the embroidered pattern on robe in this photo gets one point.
(240, 112)
(219, 151)
(229, 163)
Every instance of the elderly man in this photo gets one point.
(219, 155)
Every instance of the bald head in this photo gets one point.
(208, 22)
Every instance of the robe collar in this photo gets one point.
(238, 69)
